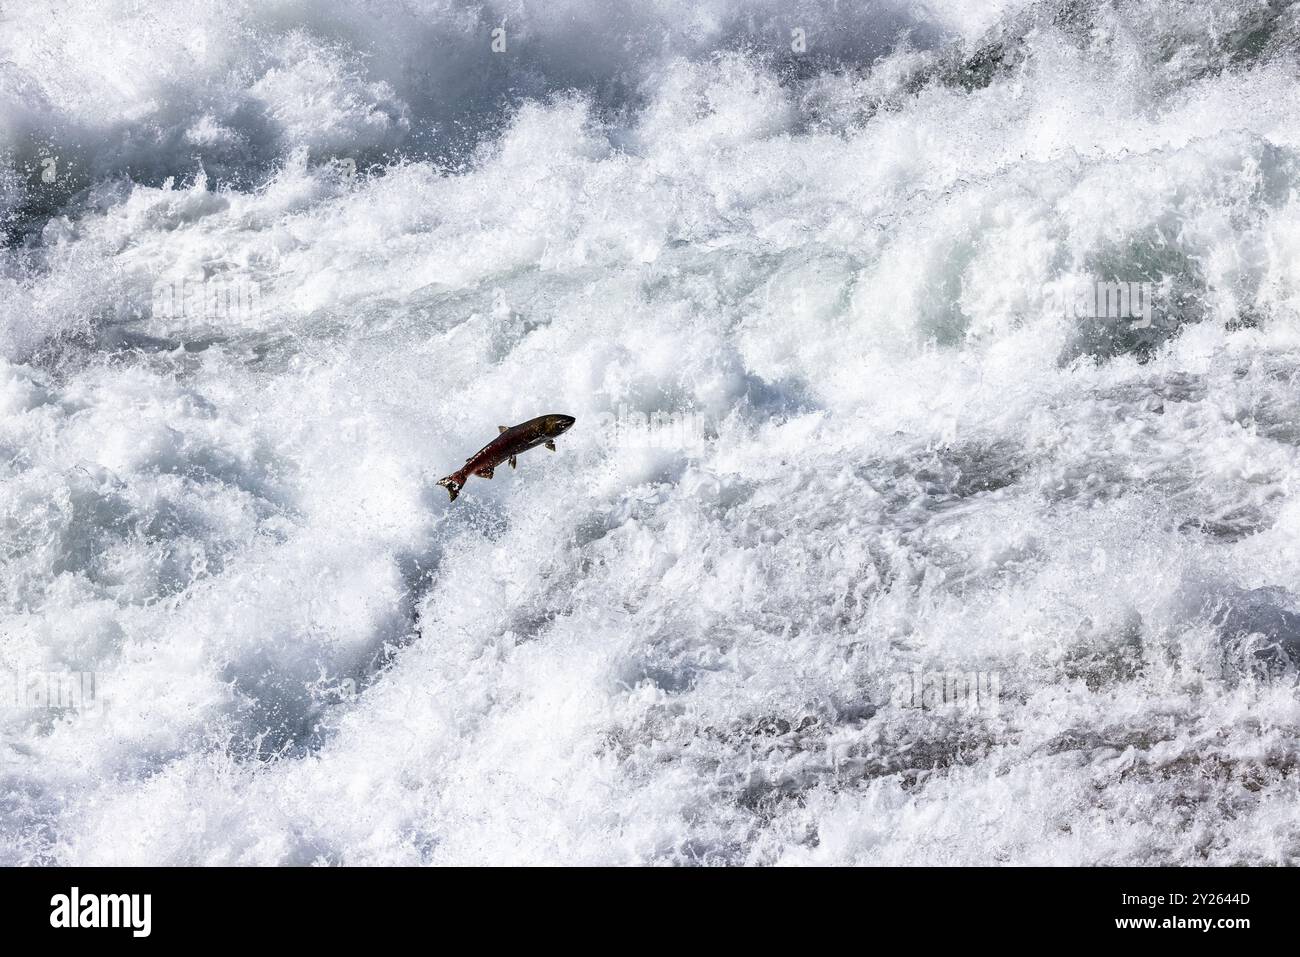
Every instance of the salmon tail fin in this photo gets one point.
(453, 484)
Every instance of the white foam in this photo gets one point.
(900, 456)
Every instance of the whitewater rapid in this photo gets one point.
(832, 432)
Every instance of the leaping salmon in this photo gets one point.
(511, 442)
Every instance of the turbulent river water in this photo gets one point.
(869, 544)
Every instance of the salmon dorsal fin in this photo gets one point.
(502, 428)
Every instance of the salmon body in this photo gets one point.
(511, 441)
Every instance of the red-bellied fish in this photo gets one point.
(511, 441)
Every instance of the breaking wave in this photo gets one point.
(270, 270)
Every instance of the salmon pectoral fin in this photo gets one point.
(484, 472)
(550, 444)
(513, 461)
